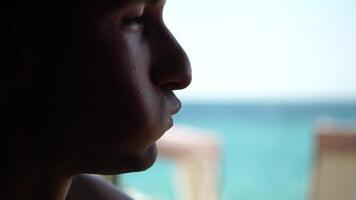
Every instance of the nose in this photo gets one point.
(170, 64)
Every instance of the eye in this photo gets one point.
(133, 23)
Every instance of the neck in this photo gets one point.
(30, 183)
(28, 172)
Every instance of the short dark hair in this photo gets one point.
(22, 19)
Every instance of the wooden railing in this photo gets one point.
(197, 156)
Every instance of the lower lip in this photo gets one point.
(170, 122)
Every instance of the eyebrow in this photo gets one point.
(152, 2)
(112, 4)
(156, 1)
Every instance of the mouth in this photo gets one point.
(170, 122)
(175, 106)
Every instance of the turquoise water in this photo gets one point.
(267, 149)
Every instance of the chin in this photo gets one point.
(131, 163)
(144, 161)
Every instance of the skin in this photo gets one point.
(90, 90)
(89, 187)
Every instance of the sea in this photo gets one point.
(267, 149)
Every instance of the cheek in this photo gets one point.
(145, 104)
(136, 106)
(141, 109)
(118, 108)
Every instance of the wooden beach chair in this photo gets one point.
(334, 175)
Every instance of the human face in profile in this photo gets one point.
(115, 81)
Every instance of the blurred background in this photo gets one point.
(265, 72)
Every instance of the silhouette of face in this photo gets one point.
(108, 76)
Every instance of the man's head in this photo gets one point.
(89, 83)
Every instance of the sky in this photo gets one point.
(267, 50)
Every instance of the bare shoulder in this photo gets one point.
(90, 187)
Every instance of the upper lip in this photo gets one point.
(175, 103)
(176, 106)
